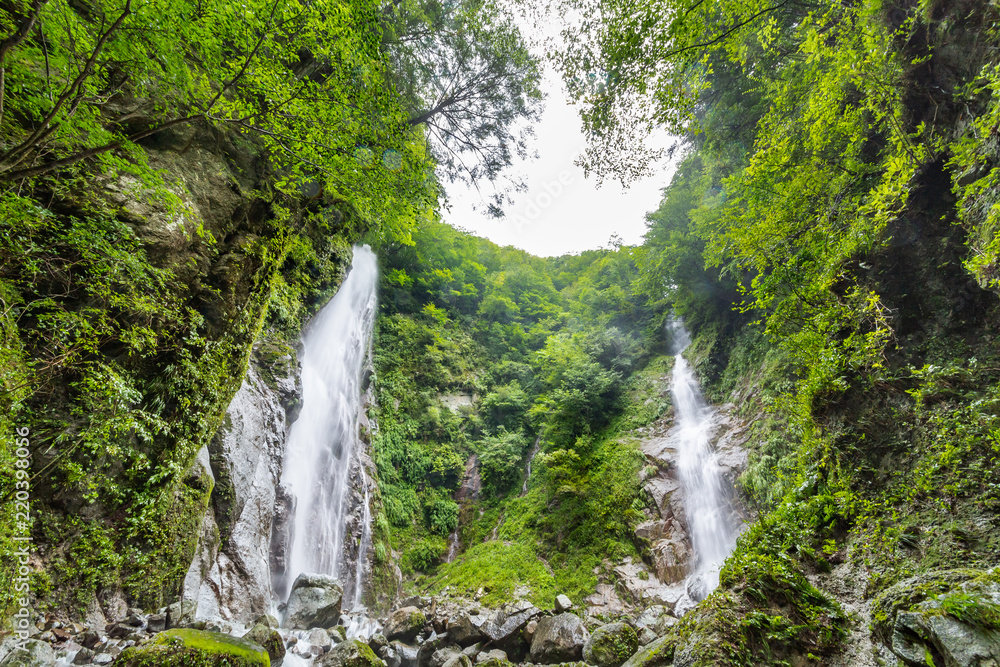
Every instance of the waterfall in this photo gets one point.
(531, 457)
(712, 534)
(324, 444)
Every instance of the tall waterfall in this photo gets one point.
(713, 536)
(323, 444)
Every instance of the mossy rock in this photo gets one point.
(195, 648)
(611, 645)
(656, 654)
(351, 653)
(267, 637)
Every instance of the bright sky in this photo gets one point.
(562, 212)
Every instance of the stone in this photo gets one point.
(321, 638)
(506, 625)
(529, 630)
(671, 554)
(183, 646)
(351, 653)
(458, 661)
(338, 633)
(267, 620)
(88, 638)
(404, 623)
(563, 603)
(487, 656)
(407, 654)
(268, 638)
(180, 613)
(657, 654)
(314, 602)
(611, 645)
(83, 656)
(465, 629)
(559, 639)
(443, 655)
(103, 659)
(377, 641)
(26, 653)
(389, 655)
(156, 622)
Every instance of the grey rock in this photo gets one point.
(563, 603)
(156, 622)
(506, 625)
(465, 629)
(180, 613)
(917, 633)
(321, 638)
(611, 645)
(559, 639)
(495, 654)
(29, 653)
(267, 620)
(314, 602)
(83, 656)
(443, 655)
(458, 661)
(377, 642)
(407, 654)
(103, 659)
(389, 655)
(404, 623)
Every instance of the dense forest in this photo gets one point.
(181, 185)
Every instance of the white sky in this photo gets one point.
(562, 212)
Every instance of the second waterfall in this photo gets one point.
(712, 532)
(324, 445)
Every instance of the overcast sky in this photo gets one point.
(562, 212)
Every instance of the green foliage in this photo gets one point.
(424, 555)
(500, 459)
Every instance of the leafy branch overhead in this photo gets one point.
(333, 92)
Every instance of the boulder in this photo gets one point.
(156, 622)
(321, 638)
(563, 603)
(559, 639)
(267, 637)
(407, 654)
(611, 645)
(671, 555)
(351, 653)
(507, 624)
(181, 613)
(183, 647)
(496, 655)
(918, 634)
(658, 654)
(314, 602)
(458, 661)
(466, 629)
(267, 620)
(83, 656)
(29, 653)
(444, 655)
(404, 623)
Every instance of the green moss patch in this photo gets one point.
(195, 648)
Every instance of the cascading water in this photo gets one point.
(323, 444)
(713, 536)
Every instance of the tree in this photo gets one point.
(466, 74)
(86, 83)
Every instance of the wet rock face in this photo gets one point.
(230, 575)
(314, 602)
(559, 639)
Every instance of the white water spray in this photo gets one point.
(323, 442)
(712, 533)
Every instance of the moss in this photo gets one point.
(195, 648)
